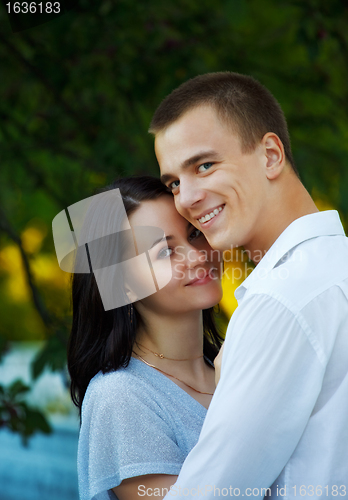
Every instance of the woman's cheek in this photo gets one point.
(178, 270)
(163, 272)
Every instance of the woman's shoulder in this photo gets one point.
(114, 379)
(124, 383)
(124, 394)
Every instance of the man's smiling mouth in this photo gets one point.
(210, 215)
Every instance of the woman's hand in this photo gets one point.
(217, 364)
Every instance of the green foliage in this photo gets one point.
(53, 354)
(79, 92)
(17, 415)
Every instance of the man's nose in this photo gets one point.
(188, 196)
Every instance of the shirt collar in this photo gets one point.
(325, 223)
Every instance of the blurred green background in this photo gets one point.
(77, 97)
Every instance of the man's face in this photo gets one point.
(201, 160)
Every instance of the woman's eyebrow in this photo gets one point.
(164, 238)
(170, 237)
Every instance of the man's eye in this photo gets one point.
(204, 167)
(164, 253)
(174, 184)
(195, 234)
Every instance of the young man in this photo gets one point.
(278, 422)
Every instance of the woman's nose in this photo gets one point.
(195, 258)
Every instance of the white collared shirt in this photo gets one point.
(279, 416)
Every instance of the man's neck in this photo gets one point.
(289, 204)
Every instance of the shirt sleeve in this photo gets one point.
(271, 376)
(124, 433)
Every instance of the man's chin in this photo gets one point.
(218, 243)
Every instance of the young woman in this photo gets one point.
(142, 374)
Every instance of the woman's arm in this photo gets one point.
(148, 486)
(126, 432)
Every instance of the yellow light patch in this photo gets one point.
(32, 239)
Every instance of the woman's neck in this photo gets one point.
(178, 337)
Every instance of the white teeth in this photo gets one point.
(212, 214)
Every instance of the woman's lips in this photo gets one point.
(208, 276)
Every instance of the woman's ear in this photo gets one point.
(274, 154)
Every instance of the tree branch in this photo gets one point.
(39, 305)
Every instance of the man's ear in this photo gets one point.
(274, 154)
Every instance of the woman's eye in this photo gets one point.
(204, 167)
(164, 253)
(195, 234)
(174, 184)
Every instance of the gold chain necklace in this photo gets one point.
(165, 357)
(169, 375)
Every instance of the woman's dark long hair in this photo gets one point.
(103, 340)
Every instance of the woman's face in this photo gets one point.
(195, 283)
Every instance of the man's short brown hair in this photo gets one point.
(240, 100)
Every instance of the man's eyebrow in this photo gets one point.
(191, 161)
(164, 238)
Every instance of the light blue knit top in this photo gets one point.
(135, 421)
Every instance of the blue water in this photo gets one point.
(45, 470)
